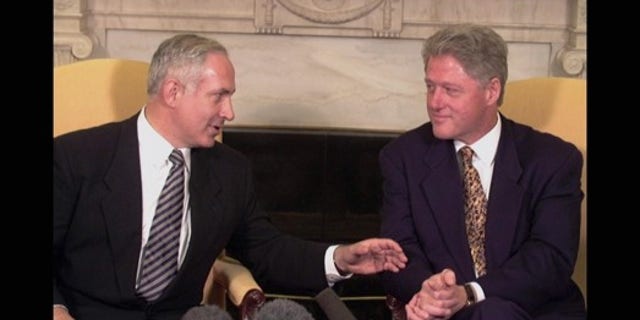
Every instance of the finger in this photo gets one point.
(388, 266)
(444, 299)
(388, 244)
(398, 261)
(411, 315)
(393, 267)
(425, 296)
(446, 294)
(436, 282)
(449, 277)
(436, 308)
(390, 256)
(400, 256)
(414, 300)
(414, 312)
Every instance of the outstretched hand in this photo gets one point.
(370, 256)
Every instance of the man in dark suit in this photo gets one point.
(531, 196)
(107, 181)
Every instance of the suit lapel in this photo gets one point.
(505, 199)
(122, 206)
(204, 190)
(442, 187)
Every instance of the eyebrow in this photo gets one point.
(223, 91)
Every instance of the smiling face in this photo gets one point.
(459, 106)
(201, 108)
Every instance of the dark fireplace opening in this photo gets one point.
(322, 185)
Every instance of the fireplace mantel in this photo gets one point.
(331, 64)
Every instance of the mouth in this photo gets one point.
(437, 117)
(215, 128)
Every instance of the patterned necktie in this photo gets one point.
(475, 208)
(160, 260)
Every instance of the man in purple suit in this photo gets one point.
(531, 183)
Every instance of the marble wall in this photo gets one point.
(325, 63)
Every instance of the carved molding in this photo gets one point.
(573, 57)
(69, 41)
(403, 19)
(330, 17)
(63, 5)
(62, 56)
(333, 16)
(572, 61)
(397, 19)
(79, 44)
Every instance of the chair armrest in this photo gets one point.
(396, 307)
(238, 283)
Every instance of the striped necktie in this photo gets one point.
(160, 258)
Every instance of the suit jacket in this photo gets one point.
(533, 217)
(97, 224)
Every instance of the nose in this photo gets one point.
(226, 111)
(434, 99)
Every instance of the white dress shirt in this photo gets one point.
(484, 153)
(154, 168)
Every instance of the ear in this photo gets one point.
(492, 91)
(172, 90)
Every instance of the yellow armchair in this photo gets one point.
(557, 106)
(229, 280)
(93, 92)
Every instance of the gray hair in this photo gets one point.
(181, 56)
(481, 51)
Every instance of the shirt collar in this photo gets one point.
(155, 149)
(485, 148)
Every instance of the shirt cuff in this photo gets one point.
(60, 306)
(477, 289)
(330, 269)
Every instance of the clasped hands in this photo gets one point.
(438, 298)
